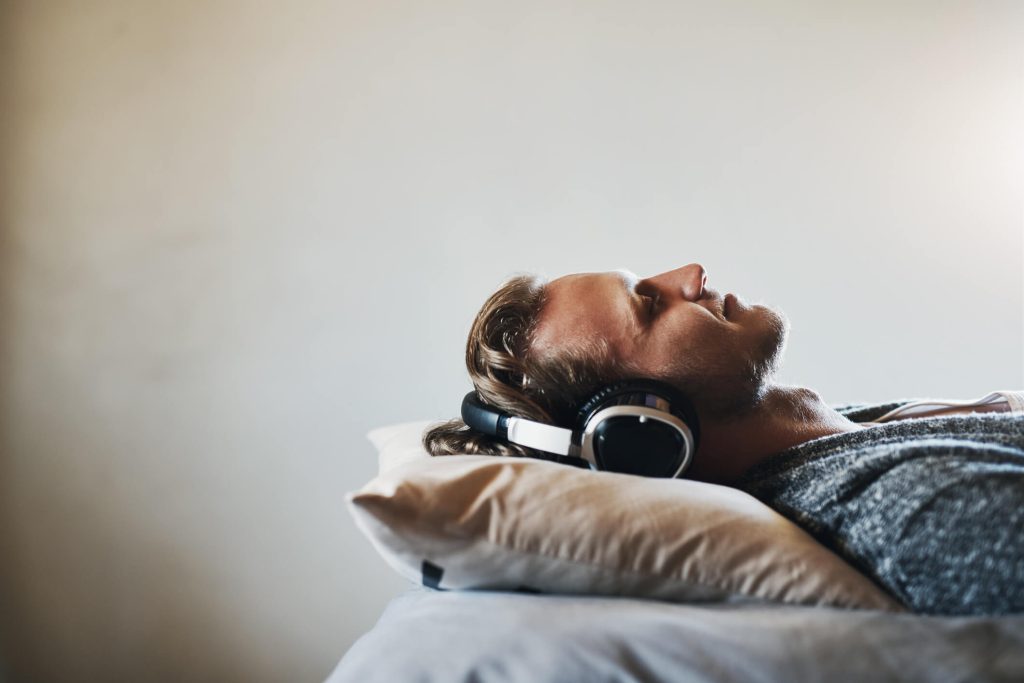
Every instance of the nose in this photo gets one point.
(687, 282)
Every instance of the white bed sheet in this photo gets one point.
(489, 637)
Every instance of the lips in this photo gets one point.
(719, 303)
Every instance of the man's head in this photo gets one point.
(537, 349)
(718, 350)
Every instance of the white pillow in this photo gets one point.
(486, 522)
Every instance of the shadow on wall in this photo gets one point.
(77, 565)
(69, 582)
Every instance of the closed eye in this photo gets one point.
(652, 306)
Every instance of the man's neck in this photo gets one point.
(784, 417)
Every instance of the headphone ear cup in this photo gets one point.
(623, 437)
(684, 410)
(597, 401)
(680, 405)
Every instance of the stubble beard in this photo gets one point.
(732, 387)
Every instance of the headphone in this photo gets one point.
(642, 427)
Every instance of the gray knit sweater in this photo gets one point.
(931, 508)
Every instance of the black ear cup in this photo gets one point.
(599, 399)
(621, 440)
(631, 392)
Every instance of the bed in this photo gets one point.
(432, 636)
(524, 570)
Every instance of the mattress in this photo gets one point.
(428, 636)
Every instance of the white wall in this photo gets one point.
(237, 235)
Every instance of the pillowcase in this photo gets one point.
(502, 523)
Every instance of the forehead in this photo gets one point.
(589, 306)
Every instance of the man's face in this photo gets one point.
(718, 350)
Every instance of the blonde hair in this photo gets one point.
(512, 377)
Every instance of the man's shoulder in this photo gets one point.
(996, 401)
(865, 412)
(887, 445)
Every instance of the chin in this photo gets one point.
(774, 337)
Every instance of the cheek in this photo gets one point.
(691, 340)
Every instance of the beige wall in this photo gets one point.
(234, 236)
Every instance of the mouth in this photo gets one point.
(719, 303)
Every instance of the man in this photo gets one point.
(930, 507)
